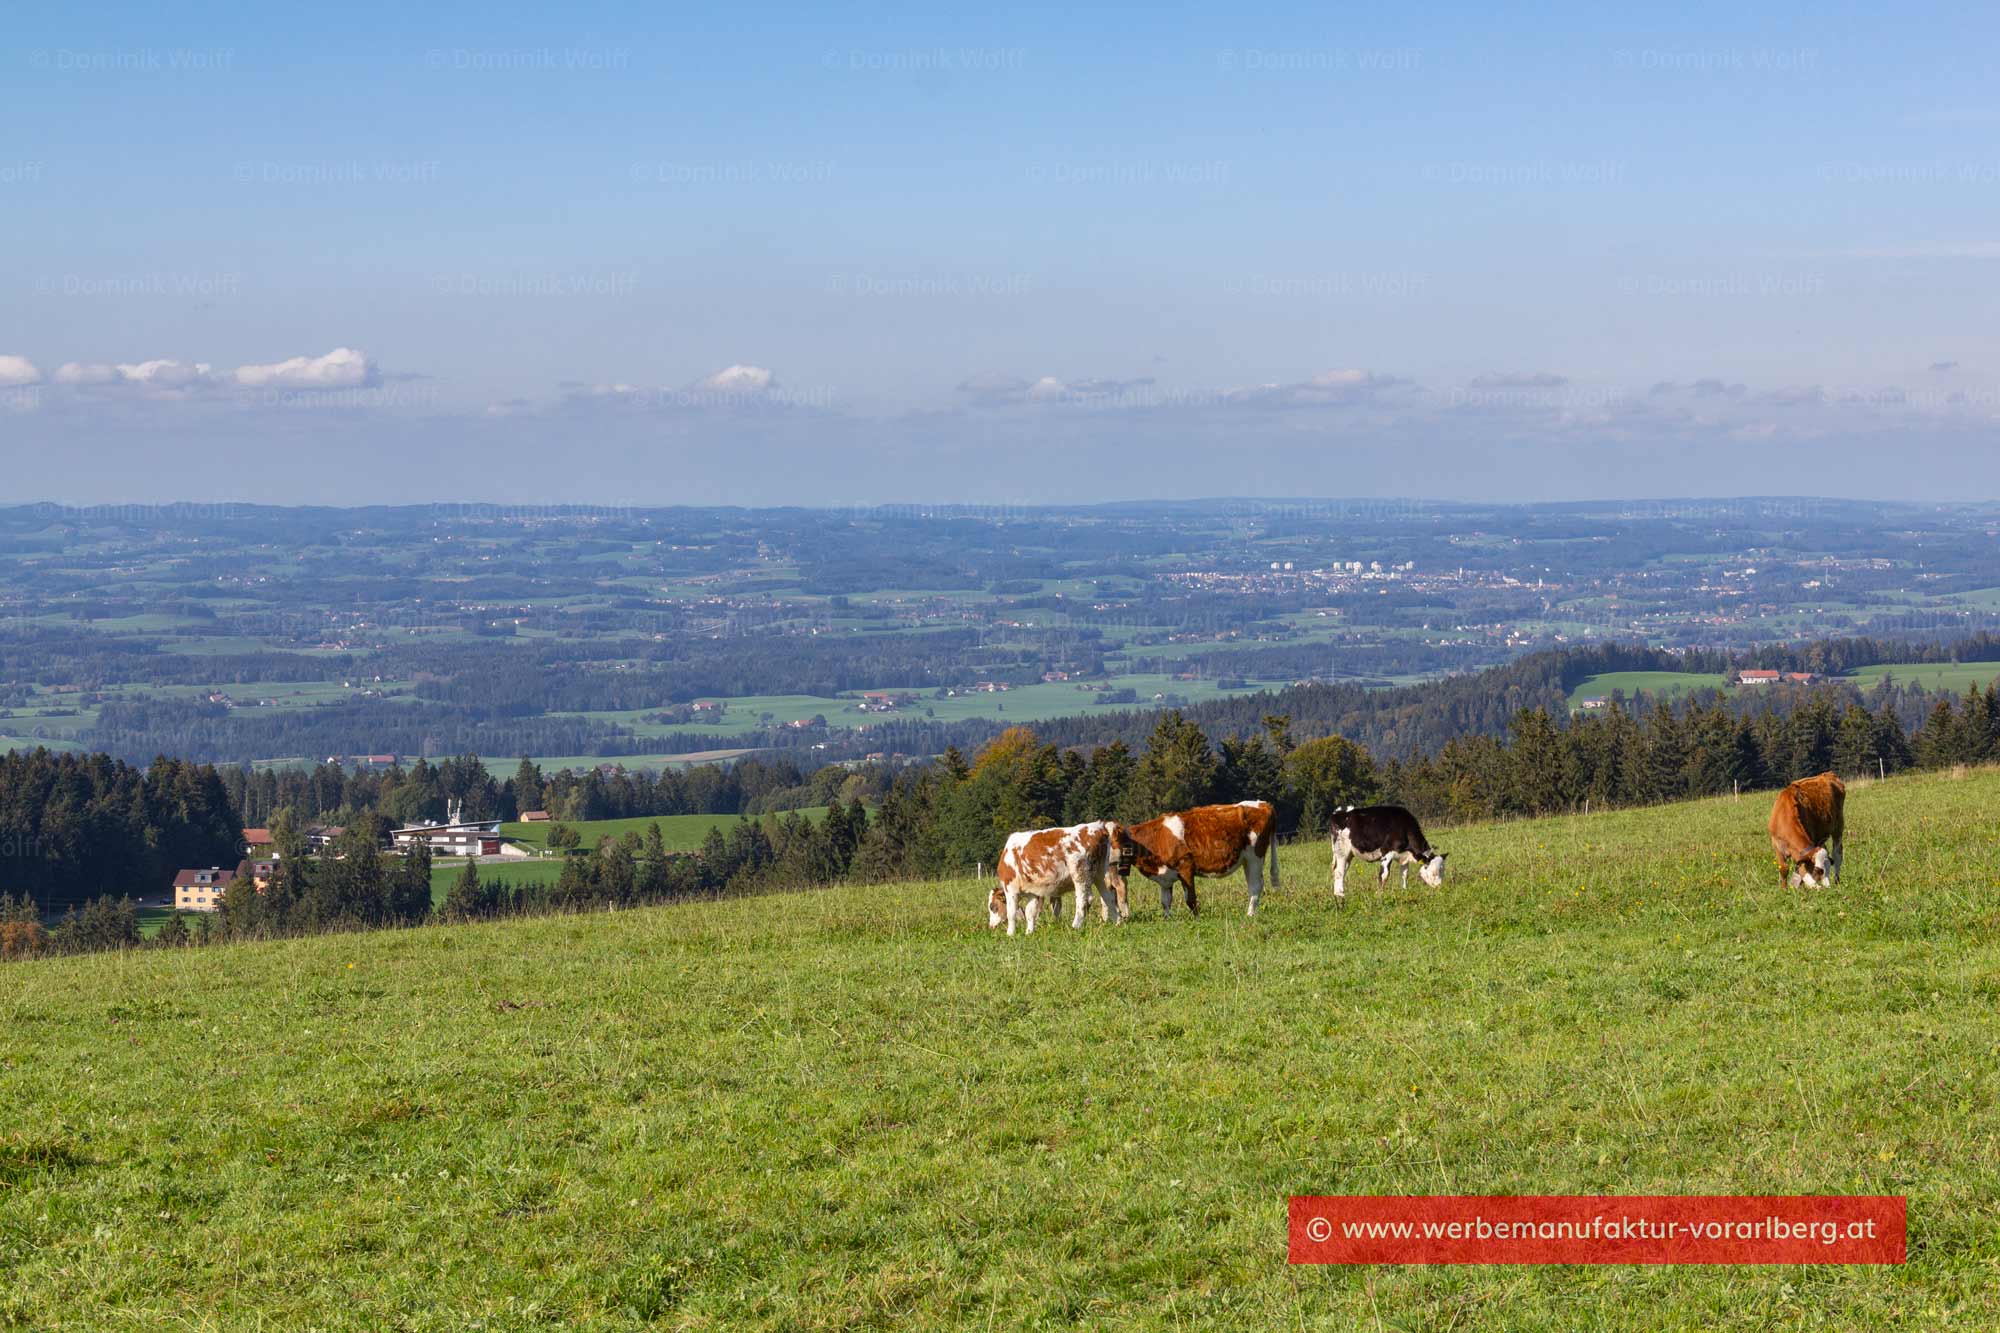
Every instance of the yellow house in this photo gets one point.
(201, 890)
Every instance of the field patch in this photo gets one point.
(680, 833)
(1949, 677)
(1665, 684)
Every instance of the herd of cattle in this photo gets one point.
(1038, 866)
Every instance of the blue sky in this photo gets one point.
(800, 253)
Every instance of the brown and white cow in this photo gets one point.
(1808, 822)
(1039, 866)
(1207, 840)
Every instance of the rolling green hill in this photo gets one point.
(859, 1107)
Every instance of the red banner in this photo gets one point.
(1599, 1229)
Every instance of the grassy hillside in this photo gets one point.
(858, 1107)
(1665, 684)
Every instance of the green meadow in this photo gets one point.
(1950, 677)
(679, 833)
(1665, 684)
(858, 1107)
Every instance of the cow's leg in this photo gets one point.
(1013, 897)
(1124, 902)
(1082, 885)
(1340, 859)
(1253, 875)
(1165, 879)
(1834, 855)
(1187, 888)
(1382, 880)
(1034, 907)
(1407, 858)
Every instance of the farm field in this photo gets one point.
(1022, 703)
(1665, 683)
(1954, 677)
(680, 833)
(504, 767)
(830, 1115)
(445, 873)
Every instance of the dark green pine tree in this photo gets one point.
(466, 900)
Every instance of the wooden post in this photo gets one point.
(1880, 771)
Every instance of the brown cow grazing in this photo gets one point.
(1207, 840)
(1040, 865)
(1807, 825)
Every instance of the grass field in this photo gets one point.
(1954, 677)
(445, 873)
(680, 833)
(857, 1107)
(1663, 683)
(1022, 703)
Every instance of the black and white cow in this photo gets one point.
(1385, 833)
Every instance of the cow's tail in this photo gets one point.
(1274, 862)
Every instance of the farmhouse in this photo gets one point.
(1594, 702)
(1773, 677)
(201, 890)
(256, 840)
(534, 816)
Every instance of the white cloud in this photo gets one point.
(342, 368)
(165, 374)
(161, 374)
(16, 371)
(996, 389)
(1523, 380)
(1329, 388)
(736, 379)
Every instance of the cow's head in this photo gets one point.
(1121, 849)
(1432, 871)
(996, 908)
(1812, 871)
